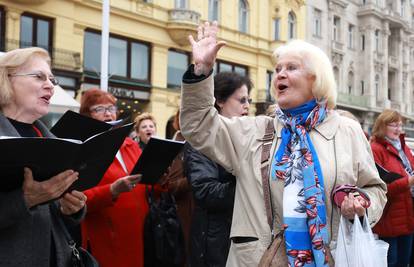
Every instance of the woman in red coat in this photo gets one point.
(396, 225)
(116, 208)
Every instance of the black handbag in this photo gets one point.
(80, 257)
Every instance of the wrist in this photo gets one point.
(114, 192)
(201, 69)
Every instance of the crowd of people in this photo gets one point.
(223, 188)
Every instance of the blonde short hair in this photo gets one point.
(11, 61)
(142, 117)
(316, 63)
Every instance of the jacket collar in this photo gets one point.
(7, 129)
(327, 129)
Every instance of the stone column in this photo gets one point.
(12, 27)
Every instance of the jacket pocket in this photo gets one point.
(243, 239)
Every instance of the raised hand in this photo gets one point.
(206, 47)
(38, 192)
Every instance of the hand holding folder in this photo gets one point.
(156, 158)
(47, 157)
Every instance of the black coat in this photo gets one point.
(213, 190)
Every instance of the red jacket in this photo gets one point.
(398, 216)
(114, 229)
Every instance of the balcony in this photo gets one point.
(182, 23)
(338, 46)
(61, 58)
(395, 19)
(353, 100)
(370, 9)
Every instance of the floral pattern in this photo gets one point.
(296, 162)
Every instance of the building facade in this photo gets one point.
(371, 45)
(148, 47)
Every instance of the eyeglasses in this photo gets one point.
(244, 100)
(102, 109)
(38, 75)
(395, 125)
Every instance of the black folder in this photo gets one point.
(157, 156)
(387, 176)
(76, 126)
(47, 157)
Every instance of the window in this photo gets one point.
(291, 25)
(351, 35)
(336, 28)
(377, 86)
(362, 42)
(243, 16)
(127, 58)
(177, 65)
(213, 10)
(336, 75)
(222, 66)
(402, 8)
(317, 26)
(350, 82)
(35, 31)
(276, 25)
(2, 29)
(269, 76)
(362, 87)
(377, 40)
(180, 4)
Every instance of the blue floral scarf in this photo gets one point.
(296, 162)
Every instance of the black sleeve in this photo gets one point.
(209, 191)
(190, 77)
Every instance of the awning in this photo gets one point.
(62, 101)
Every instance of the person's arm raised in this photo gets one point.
(205, 48)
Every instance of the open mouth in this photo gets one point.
(282, 87)
(46, 98)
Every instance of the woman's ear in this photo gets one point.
(220, 104)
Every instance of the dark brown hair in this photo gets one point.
(93, 97)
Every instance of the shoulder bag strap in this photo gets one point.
(266, 146)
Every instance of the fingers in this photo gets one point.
(191, 40)
(28, 177)
(72, 202)
(350, 206)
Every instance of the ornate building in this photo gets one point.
(148, 48)
(371, 45)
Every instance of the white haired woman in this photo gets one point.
(30, 234)
(313, 151)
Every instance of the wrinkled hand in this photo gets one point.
(72, 202)
(353, 205)
(206, 47)
(38, 192)
(124, 184)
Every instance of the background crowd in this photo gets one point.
(222, 189)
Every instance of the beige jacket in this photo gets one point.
(342, 148)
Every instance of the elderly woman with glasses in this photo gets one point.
(312, 150)
(30, 234)
(114, 223)
(396, 226)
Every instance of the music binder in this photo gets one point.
(387, 176)
(47, 157)
(155, 159)
(73, 125)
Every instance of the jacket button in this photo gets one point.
(201, 255)
(203, 233)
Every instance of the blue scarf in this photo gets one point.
(296, 162)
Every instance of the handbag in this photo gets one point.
(80, 257)
(275, 254)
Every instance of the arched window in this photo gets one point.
(350, 82)
(243, 16)
(291, 25)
